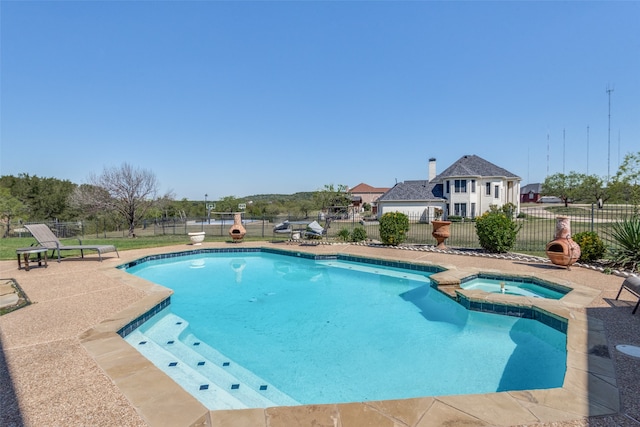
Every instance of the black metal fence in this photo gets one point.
(538, 227)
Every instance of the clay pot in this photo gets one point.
(237, 230)
(441, 232)
(563, 250)
(196, 238)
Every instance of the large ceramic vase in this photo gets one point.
(440, 232)
(237, 230)
(196, 237)
(563, 250)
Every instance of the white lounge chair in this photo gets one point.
(316, 231)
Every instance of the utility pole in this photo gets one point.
(609, 90)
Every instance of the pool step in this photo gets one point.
(216, 381)
(186, 377)
(377, 270)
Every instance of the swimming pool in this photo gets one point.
(356, 331)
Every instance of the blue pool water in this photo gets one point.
(522, 287)
(261, 329)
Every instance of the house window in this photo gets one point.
(460, 209)
(448, 187)
(473, 185)
(488, 189)
(496, 190)
(473, 210)
(460, 185)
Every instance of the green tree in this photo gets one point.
(227, 204)
(10, 209)
(333, 199)
(44, 198)
(628, 177)
(592, 189)
(566, 187)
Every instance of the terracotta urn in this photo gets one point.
(440, 232)
(237, 230)
(563, 250)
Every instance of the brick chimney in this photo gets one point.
(432, 168)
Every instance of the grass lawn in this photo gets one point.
(9, 246)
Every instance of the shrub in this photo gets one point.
(344, 234)
(393, 228)
(454, 218)
(496, 231)
(627, 234)
(592, 248)
(358, 234)
(509, 209)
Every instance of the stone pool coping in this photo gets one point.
(589, 389)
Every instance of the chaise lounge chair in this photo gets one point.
(283, 228)
(631, 284)
(286, 227)
(316, 231)
(45, 237)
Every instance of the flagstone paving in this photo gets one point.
(61, 362)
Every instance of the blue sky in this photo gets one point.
(241, 98)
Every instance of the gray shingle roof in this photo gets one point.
(422, 190)
(472, 165)
(536, 188)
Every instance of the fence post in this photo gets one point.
(592, 214)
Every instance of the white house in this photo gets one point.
(466, 188)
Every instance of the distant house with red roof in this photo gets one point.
(364, 193)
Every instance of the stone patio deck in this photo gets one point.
(61, 362)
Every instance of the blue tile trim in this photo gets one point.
(364, 260)
(185, 253)
(535, 313)
(138, 321)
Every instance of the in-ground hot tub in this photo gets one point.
(515, 285)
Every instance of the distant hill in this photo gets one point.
(306, 195)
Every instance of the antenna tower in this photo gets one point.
(609, 90)
(547, 153)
